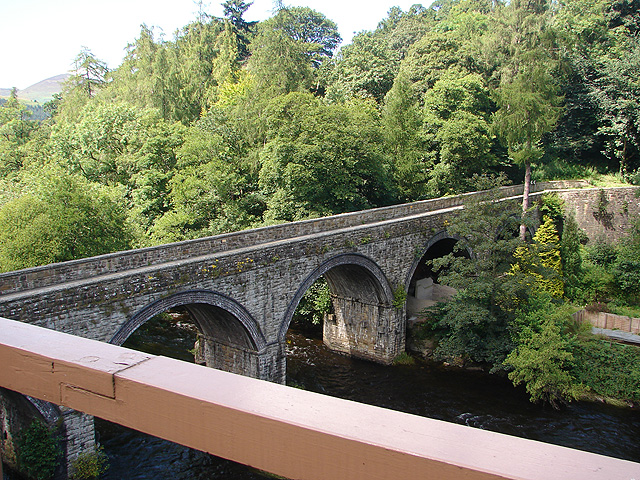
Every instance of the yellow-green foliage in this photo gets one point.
(541, 261)
(90, 464)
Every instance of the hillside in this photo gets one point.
(40, 92)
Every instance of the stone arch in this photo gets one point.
(348, 265)
(17, 411)
(229, 338)
(231, 319)
(438, 238)
(364, 324)
(442, 243)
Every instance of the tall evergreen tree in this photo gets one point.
(243, 30)
(528, 100)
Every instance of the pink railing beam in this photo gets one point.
(282, 430)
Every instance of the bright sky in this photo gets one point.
(40, 38)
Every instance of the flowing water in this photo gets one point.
(453, 395)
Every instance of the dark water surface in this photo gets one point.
(468, 398)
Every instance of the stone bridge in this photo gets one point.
(242, 288)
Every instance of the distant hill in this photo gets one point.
(40, 92)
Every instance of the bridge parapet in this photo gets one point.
(59, 273)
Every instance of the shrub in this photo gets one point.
(399, 297)
(607, 368)
(541, 362)
(90, 464)
(37, 451)
(404, 359)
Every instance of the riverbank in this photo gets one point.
(608, 369)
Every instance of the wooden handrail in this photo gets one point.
(282, 430)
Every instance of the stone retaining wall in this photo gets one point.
(603, 213)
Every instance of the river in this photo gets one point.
(453, 395)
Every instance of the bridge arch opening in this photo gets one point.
(423, 286)
(363, 322)
(17, 414)
(206, 327)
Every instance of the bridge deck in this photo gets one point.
(242, 250)
(78, 270)
(282, 430)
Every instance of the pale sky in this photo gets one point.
(40, 38)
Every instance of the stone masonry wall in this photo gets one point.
(43, 276)
(605, 213)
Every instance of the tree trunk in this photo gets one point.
(525, 199)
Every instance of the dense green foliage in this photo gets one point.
(61, 218)
(607, 368)
(233, 124)
(315, 303)
(518, 318)
(37, 451)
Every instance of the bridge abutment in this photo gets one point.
(214, 353)
(80, 435)
(273, 363)
(368, 331)
(268, 364)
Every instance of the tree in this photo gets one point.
(616, 92)
(529, 108)
(626, 268)
(477, 323)
(368, 66)
(243, 30)
(541, 361)
(364, 68)
(15, 131)
(133, 81)
(99, 143)
(456, 128)
(211, 192)
(570, 251)
(541, 261)
(87, 80)
(62, 218)
(529, 105)
(402, 119)
(89, 73)
(322, 159)
(289, 48)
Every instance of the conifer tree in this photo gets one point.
(541, 261)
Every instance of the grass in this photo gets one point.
(632, 311)
(404, 359)
(560, 170)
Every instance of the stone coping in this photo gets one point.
(42, 276)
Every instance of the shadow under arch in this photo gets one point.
(348, 275)
(19, 409)
(421, 281)
(216, 315)
(439, 243)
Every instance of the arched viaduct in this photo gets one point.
(243, 288)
